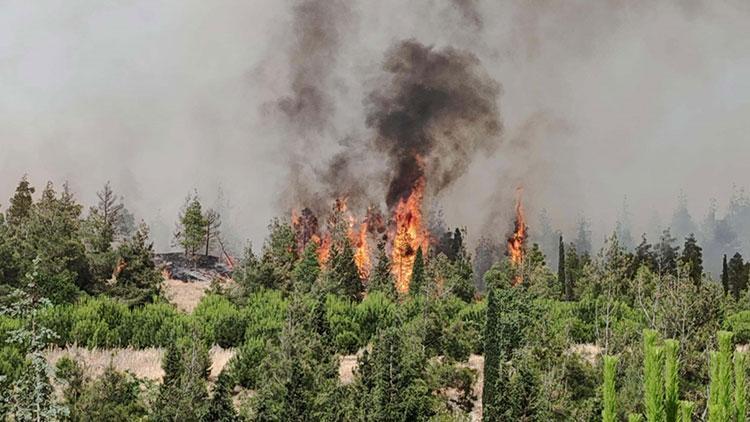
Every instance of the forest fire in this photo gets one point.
(516, 242)
(306, 230)
(361, 251)
(409, 235)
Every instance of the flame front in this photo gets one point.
(517, 240)
(361, 251)
(408, 237)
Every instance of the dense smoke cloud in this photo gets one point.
(437, 111)
(269, 100)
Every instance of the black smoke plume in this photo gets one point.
(436, 111)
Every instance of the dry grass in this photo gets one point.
(588, 351)
(347, 365)
(185, 294)
(144, 363)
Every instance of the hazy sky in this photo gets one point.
(600, 99)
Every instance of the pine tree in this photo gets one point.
(399, 390)
(381, 278)
(460, 282)
(212, 220)
(671, 379)
(191, 231)
(106, 219)
(643, 256)
(457, 245)
(653, 377)
(609, 394)
(561, 269)
(343, 275)
(21, 203)
(306, 271)
(183, 395)
(221, 409)
(52, 233)
(667, 254)
(692, 256)
(725, 275)
(418, 281)
(172, 364)
(138, 279)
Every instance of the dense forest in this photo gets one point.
(636, 333)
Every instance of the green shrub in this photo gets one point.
(375, 312)
(155, 325)
(264, 314)
(340, 315)
(739, 324)
(245, 365)
(220, 320)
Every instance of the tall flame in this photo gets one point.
(517, 240)
(409, 236)
(361, 251)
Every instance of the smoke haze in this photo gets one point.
(282, 103)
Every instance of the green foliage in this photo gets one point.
(307, 269)
(342, 276)
(686, 409)
(609, 394)
(653, 377)
(245, 365)
(381, 278)
(720, 407)
(737, 275)
(138, 279)
(192, 226)
(114, 396)
(692, 256)
(30, 396)
(183, 395)
(221, 409)
(671, 379)
(740, 388)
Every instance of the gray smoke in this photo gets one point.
(599, 100)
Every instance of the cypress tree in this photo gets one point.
(417, 284)
(609, 408)
(172, 364)
(737, 275)
(561, 267)
(307, 269)
(221, 409)
(720, 399)
(343, 275)
(740, 393)
(653, 377)
(381, 278)
(671, 379)
(692, 255)
(725, 275)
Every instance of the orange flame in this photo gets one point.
(517, 240)
(408, 237)
(361, 251)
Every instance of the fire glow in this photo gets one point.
(516, 242)
(409, 235)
